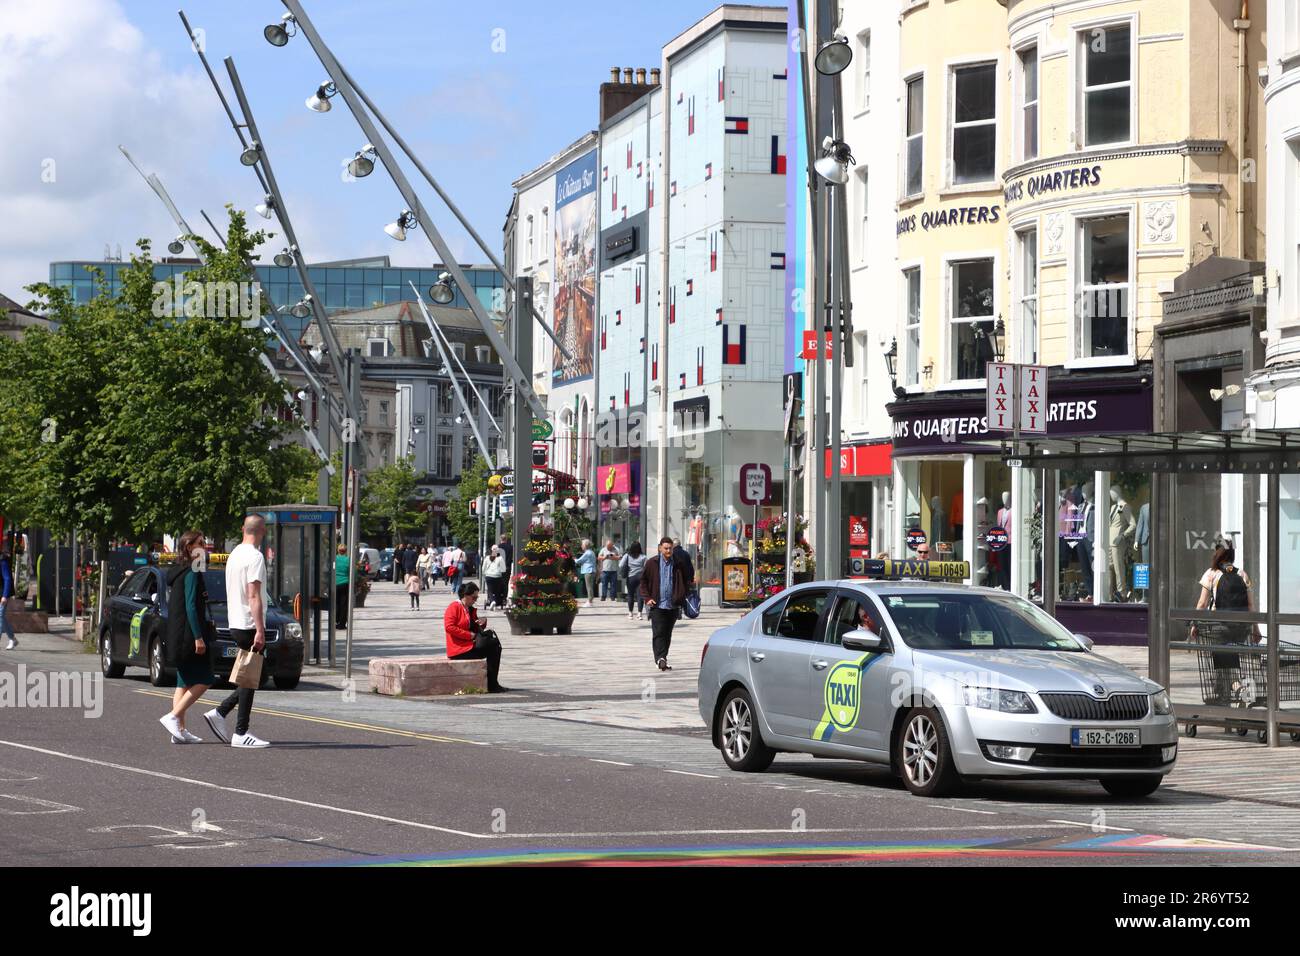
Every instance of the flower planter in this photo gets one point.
(561, 622)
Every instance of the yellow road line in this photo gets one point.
(351, 725)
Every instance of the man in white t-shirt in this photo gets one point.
(246, 618)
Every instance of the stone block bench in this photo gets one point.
(426, 676)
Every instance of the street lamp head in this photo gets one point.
(363, 163)
(835, 162)
(833, 57)
(319, 101)
(302, 308)
(277, 34)
(176, 246)
(997, 337)
(570, 504)
(284, 258)
(252, 154)
(397, 228)
(317, 352)
(265, 207)
(582, 504)
(441, 291)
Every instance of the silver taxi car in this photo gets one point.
(943, 683)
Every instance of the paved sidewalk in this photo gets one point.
(606, 656)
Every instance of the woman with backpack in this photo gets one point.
(631, 568)
(1225, 587)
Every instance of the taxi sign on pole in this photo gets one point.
(1000, 396)
(1032, 399)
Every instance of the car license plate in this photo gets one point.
(234, 652)
(1103, 737)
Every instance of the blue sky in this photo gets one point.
(77, 77)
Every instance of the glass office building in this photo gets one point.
(343, 286)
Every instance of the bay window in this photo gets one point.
(972, 318)
(1105, 283)
(1107, 84)
(911, 371)
(974, 123)
(914, 132)
(1029, 103)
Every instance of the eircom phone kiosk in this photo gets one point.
(299, 548)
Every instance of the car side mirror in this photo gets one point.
(1085, 641)
(860, 639)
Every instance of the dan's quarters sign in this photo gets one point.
(1001, 395)
(1033, 399)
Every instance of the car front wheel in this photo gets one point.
(1139, 785)
(742, 744)
(924, 755)
(157, 670)
(107, 665)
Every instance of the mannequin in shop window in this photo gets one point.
(1088, 526)
(1122, 534)
(958, 513)
(1003, 578)
(1143, 542)
(695, 537)
(938, 520)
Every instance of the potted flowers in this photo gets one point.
(542, 601)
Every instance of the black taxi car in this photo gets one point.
(135, 625)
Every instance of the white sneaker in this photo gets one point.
(173, 727)
(191, 738)
(631, 615)
(219, 725)
(247, 740)
(13, 642)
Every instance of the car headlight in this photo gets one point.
(1006, 701)
(293, 631)
(1161, 704)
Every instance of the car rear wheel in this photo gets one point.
(925, 756)
(157, 670)
(742, 745)
(1139, 785)
(110, 668)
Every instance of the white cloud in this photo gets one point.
(77, 79)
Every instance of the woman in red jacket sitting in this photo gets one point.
(464, 632)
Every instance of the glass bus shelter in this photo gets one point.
(1237, 669)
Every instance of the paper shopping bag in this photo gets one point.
(247, 671)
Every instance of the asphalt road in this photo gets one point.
(113, 790)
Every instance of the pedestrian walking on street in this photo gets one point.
(6, 597)
(468, 637)
(609, 558)
(664, 583)
(341, 570)
(631, 567)
(422, 564)
(451, 564)
(495, 574)
(413, 588)
(587, 568)
(508, 550)
(398, 555)
(409, 559)
(189, 629)
(246, 617)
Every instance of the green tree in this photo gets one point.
(473, 482)
(130, 420)
(388, 499)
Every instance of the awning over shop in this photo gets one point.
(1260, 451)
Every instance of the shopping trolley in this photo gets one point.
(1239, 679)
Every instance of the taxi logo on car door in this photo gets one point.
(842, 697)
(136, 620)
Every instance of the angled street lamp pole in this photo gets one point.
(415, 161)
(522, 385)
(433, 324)
(455, 383)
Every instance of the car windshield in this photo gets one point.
(972, 621)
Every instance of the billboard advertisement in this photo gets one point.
(574, 289)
